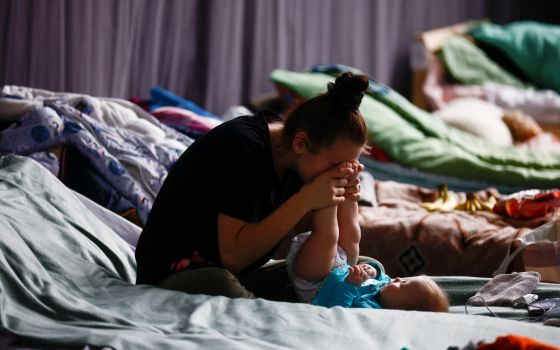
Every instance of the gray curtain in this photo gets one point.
(213, 52)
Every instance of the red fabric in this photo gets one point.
(183, 118)
(145, 104)
(515, 342)
(528, 204)
(378, 154)
(291, 99)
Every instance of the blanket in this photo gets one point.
(412, 137)
(410, 240)
(128, 150)
(66, 280)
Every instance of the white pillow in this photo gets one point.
(478, 117)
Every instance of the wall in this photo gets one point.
(217, 52)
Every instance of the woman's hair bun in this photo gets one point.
(347, 91)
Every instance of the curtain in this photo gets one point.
(216, 53)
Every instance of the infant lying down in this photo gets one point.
(366, 285)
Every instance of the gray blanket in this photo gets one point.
(66, 280)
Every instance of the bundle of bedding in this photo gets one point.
(391, 171)
(110, 150)
(412, 137)
(512, 66)
(67, 281)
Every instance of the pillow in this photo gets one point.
(469, 65)
(532, 46)
(161, 97)
(477, 117)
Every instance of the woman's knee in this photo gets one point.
(210, 281)
(227, 283)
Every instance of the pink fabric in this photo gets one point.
(545, 141)
(438, 92)
(175, 116)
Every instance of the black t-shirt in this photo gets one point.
(229, 170)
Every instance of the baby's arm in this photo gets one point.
(316, 256)
(357, 274)
(347, 215)
(338, 292)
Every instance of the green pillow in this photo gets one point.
(470, 65)
(533, 47)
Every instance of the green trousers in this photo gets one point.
(270, 282)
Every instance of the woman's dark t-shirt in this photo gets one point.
(229, 170)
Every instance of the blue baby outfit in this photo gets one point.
(336, 292)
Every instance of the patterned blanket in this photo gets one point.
(410, 240)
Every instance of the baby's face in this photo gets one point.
(402, 293)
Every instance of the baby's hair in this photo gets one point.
(332, 114)
(432, 297)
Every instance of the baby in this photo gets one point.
(367, 286)
(324, 269)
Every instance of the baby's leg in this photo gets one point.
(348, 222)
(315, 259)
(349, 230)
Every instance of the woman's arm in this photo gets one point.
(304, 225)
(241, 243)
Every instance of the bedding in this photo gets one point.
(55, 125)
(532, 46)
(542, 105)
(70, 284)
(185, 121)
(161, 97)
(79, 174)
(112, 112)
(122, 151)
(122, 227)
(467, 64)
(410, 240)
(389, 171)
(412, 137)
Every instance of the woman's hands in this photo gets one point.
(357, 274)
(334, 186)
(328, 188)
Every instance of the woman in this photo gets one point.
(242, 188)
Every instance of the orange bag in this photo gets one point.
(515, 342)
(529, 204)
